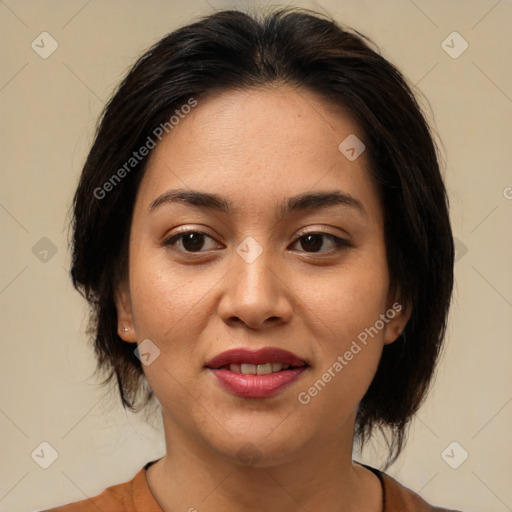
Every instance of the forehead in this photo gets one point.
(257, 146)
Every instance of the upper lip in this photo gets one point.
(261, 356)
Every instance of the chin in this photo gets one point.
(259, 442)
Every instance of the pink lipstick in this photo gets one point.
(256, 374)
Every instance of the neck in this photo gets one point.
(192, 476)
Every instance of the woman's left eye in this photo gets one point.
(312, 242)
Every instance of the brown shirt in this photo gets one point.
(135, 496)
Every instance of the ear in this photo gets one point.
(125, 327)
(397, 315)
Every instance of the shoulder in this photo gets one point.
(398, 498)
(118, 497)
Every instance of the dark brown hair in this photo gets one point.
(233, 50)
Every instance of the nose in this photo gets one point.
(255, 293)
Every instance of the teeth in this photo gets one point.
(257, 369)
(249, 369)
(235, 368)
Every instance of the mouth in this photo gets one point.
(257, 369)
(256, 374)
(265, 358)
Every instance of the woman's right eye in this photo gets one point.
(190, 241)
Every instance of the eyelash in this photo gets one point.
(339, 243)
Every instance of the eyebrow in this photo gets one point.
(289, 206)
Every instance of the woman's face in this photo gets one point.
(248, 276)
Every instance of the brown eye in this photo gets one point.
(191, 241)
(313, 242)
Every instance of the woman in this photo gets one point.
(262, 231)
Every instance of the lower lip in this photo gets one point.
(256, 386)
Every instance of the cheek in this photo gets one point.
(344, 312)
(165, 295)
(169, 309)
(346, 301)
(347, 353)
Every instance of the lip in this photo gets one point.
(261, 356)
(256, 386)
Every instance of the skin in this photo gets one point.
(312, 302)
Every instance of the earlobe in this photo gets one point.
(398, 315)
(125, 327)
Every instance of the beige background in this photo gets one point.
(49, 109)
